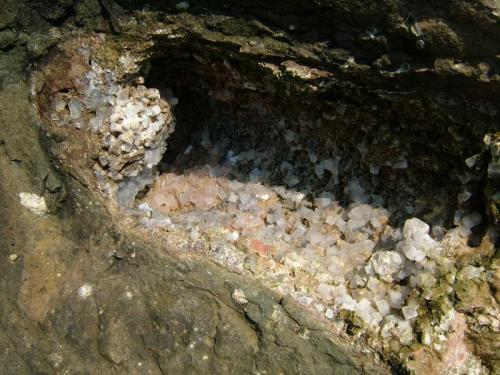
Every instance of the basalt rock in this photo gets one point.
(249, 187)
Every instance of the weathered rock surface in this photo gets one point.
(411, 87)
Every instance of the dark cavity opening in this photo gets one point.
(244, 124)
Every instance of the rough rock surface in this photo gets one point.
(407, 88)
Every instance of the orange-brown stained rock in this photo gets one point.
(425, 361)
(261, 248)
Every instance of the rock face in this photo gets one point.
(249, 187)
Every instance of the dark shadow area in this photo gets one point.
(247, 133)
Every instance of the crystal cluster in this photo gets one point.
(267, 202)
(132, 122)
(350, 252)
(325, 221)
(137, 130)
(358, 261)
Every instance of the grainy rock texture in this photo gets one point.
(399, 96)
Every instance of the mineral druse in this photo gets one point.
(302, 219)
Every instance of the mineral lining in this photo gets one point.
(356, 261)
(261, 194)
(131, 123)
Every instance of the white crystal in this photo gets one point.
(367, 312)
(315, 237)
(417, 243)
(346, 302)
(329, 313)
(322, 201)
(59, 104)
(397, 328)
(386, 263)
(144, 207)
(414, 227)
(183, 5)
(232, 236)
(75, 108)
(154, 111)
(341, 224)
(358, 281)
(410, 312)
(412, 252)
(471, 220)
(395, 299)
(425, 279)
(471, 161)
(355, 224)
(233, 198)
(356, 191)
(173, 101)
(325, 291)
(330, 220)
(319, 307)
(373, 284)
(154, 93)
(362, 212)
(382, 306)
